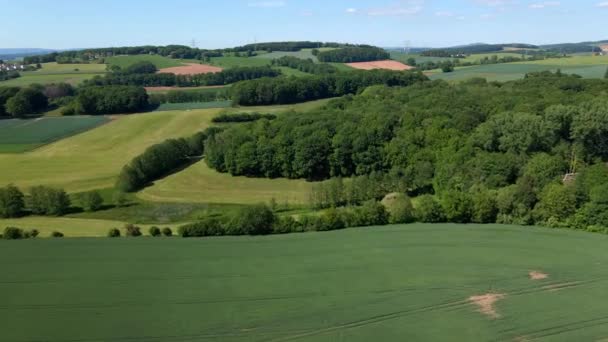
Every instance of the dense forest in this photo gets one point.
(509, 144)
(284, 90)
(353, 54)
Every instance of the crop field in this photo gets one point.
(23, 135)
(193, 105)
(403, 57)
(586, 67)
(232, 62)
(159, 61)
(303, 54)
(93, 159)
(408, 283)
(55, 73)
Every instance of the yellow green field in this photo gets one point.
(200, 184)
(54, 73)
(159, 61)
(93, 159)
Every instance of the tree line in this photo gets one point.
(266, 91)
(353, 54)
(241, 117)
(147, 79)
(183, 96)
(305, 65)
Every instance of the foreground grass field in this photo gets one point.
(18, 135)
(55, 73)
(397, 283)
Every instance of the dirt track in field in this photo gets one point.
(191, 69)
(386, 64)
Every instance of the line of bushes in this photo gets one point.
(304, 65)
(180, 96)
(224, 77)
(281, 90)
(241, 117)
(14, 233)
(132, 230)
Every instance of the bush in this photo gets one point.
(11, 202)
(208, 226)
(114, 232)
(457, 206)
(33, 233)
(13, 233)
(371, 213)
(400, 208)
(132, 230)
(167, 231)
(429, 210)
(286, 224)
(49, 201)
(91, 201)
(26, 101)
(154, 231)
(331, 220)
(252, 220)
(56, 234)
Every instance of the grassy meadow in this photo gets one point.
(55, 73)
(20, 135)
(406, 283)
(93, 159)
(159, 61)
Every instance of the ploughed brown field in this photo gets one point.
(191, 69)
(386, 64)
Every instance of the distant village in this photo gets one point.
(6, 66)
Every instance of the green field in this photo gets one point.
(159, 61)
(586, 66)
(200, 184)
(93, 159)
(395, 283)
(55, 73)
(193, 105)
(18, 135)
(232, 62)
(303, 54)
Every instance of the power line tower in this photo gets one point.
(193, 43)
(407, 47)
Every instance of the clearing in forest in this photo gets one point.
(386, 64)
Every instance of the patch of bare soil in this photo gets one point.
(485, 303)
(387, 64)
(537, 275)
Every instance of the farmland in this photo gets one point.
(55, 73)
(93, 159)
(159, 61)
(586, 66)
(23, 135)
(409, 282)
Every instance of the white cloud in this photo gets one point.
(444, 14)
(351, 10)
(602, 4)
(541, 5)
(267, 4)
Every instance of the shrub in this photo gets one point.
(400, 208)
(33, 233)
(91, 201)
(208, 226)
(331, 220)
(167, 231)
(56, 234)
(114, 232)
(11, 201)
(457, 206)
(252, 220)
(286, 224)
(371, 213)
(429, 210)
(13, 233)
(49, 201)
(132, 230)
(154, 231)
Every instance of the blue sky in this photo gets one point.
(226, 23)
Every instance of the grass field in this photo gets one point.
(303, 54)
(23, 135)
(200, 184)
(93, 159)
(193, 105)
(231, 62)
(54, 73)
(395, 283)
(586, 66)
(159, 61)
